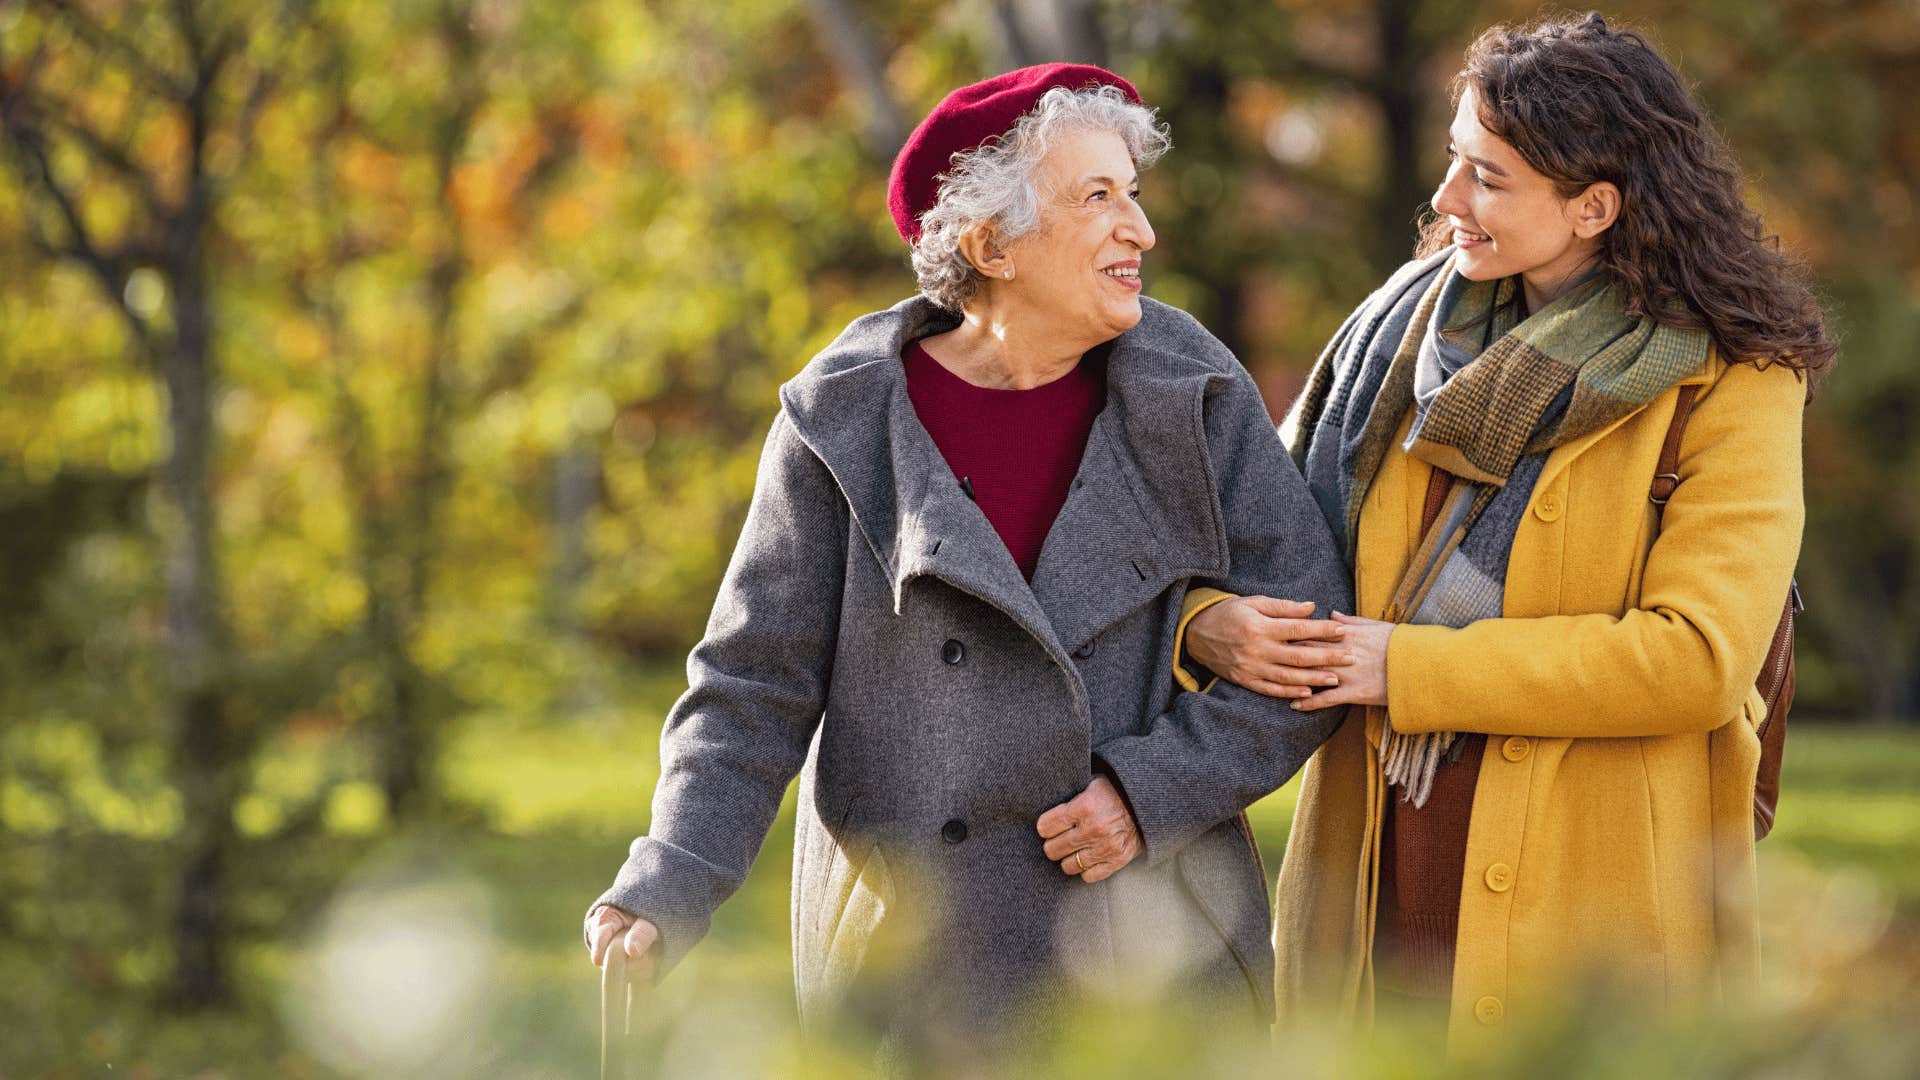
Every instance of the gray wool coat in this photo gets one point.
(874, 636)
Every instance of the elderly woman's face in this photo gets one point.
(1082, 264)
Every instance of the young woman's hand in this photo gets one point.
(1364, 681)
(1269, 645)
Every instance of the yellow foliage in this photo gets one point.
(355, 808)
(567, 218)
(299, 339)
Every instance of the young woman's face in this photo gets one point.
(1506, 217)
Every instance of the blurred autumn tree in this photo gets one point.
(364, 365)
(127, 137)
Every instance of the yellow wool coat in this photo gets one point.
(1612, 827)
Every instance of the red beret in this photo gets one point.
(969, 118)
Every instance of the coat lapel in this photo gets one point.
(1141, 514)
(941, 533)
(901, 493)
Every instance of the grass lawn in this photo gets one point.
(1840, 873)
(455, 951)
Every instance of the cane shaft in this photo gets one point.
(615, 1000)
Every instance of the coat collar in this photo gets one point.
(1141, 514)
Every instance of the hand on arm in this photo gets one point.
(1269, 645)
(1363, 681)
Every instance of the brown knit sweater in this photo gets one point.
(1423, 859)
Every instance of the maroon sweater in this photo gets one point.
(1016, 450)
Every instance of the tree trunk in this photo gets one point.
(408, 741)
(1048, 31)
(862, 65)
(204, 739)
(209, 743)
(405, 775)
(1403, 59)
(576, 490)
(409, 744)
(576, 486)
(1894, 691)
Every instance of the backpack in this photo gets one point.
(1775, 681)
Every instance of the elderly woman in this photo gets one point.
(953, 604)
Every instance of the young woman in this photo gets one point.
(1552, 777)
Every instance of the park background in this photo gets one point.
(380, 390)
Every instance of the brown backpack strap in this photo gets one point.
(1776, 679)
(1666, 476)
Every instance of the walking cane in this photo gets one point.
(616, 1009)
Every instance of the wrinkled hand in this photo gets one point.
(639, 937)
(1270, 646)
(1093, 834)
(1363, 682)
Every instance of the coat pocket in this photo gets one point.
(838, 913)
(864, 900)
(1222, 875)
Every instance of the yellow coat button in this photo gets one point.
(1499, 877)
(1548, 507)
(1516, 748)
(1488, 1010)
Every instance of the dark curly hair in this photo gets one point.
(1583, 102)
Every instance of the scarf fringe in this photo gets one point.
(1409, 761)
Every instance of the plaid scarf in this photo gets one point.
(1493, 393)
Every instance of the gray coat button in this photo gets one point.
(953, 652)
